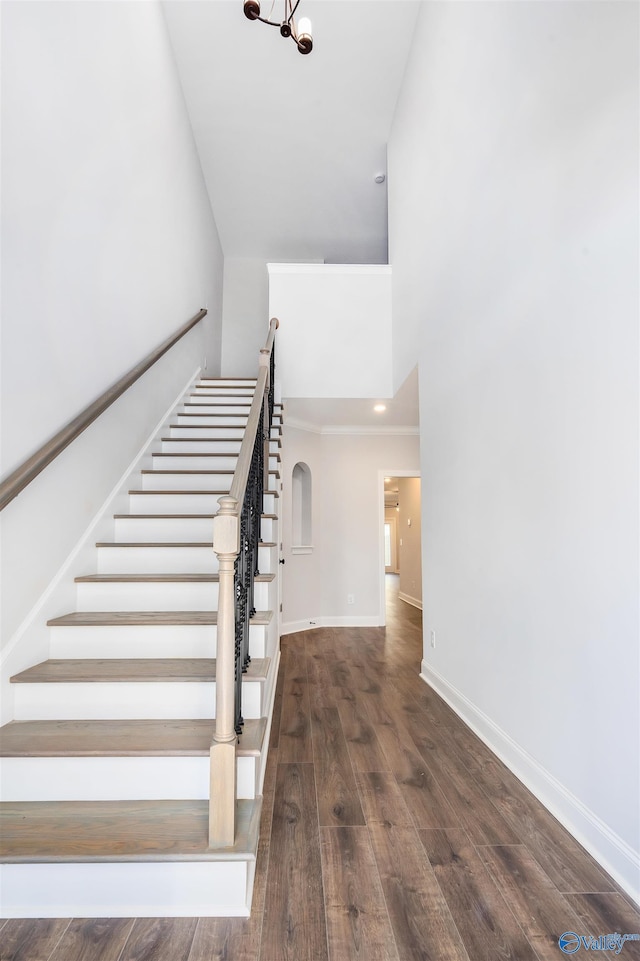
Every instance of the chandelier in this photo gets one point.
(300, 33)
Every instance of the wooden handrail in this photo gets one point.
(23, 475)
(241, 475)
(226, 544)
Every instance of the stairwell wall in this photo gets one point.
(108, 245)
(514, 244)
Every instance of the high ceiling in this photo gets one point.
(290, 144)
(341, 415)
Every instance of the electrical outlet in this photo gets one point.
(433, 638)
(351, 599)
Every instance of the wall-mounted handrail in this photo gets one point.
(236, 529)
(27, 471)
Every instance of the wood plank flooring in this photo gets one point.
(389, 833)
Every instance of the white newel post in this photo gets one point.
(222, 788)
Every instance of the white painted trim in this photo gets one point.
(292, 627)
(139, 889)
(330, 269)
(361, 430)
(307, 549)
(410, 600)
(610, 850)
(270, 700)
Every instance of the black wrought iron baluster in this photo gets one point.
(247, 561)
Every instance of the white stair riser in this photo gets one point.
(219, 383)
(123, 889)
(202, 446)
(150, 529)
(210, 420)
(205, 433)
(170, 560)
(194, 481)
(270, 503)
(195, 502)
(135, 700)
(268, 529)
(142, 530)
(203, 462)
(156, 596)
(186, 482)
(157, 560)
(205, 445)
(191, 502)
(204, 405)
(203, 415)
(143, 640)
(116, 778)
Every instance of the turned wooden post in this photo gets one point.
(222, 793)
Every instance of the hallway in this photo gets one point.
(390, 833)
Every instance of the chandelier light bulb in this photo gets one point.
(300, 33)
(304, 38)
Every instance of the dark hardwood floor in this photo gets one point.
(390, 833)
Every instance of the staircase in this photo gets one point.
(105, 770)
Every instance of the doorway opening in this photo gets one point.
(400, 539)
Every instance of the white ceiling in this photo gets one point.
(340, 415)
(290, 144)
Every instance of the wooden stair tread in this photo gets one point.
(134, 669)
(162, 578)
(46, 831)
(172, 517)
(122, 738)
(190, 453)
(153, 618)
(189, 473)
(188, 491)
(208, 544)
(173, 543)
(212, 440)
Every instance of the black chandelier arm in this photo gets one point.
(278, 23)
(288, 26)
(293, 11)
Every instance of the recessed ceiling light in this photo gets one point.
(379, 408)
(387, 480)
(379, 178)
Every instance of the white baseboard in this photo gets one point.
(408, 599)
(613, 853)
(292, 627)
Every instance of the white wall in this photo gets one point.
(409, 536)
(245, 315)
(335, 333)
(108, 245)
(348, 514)
(514, 245)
